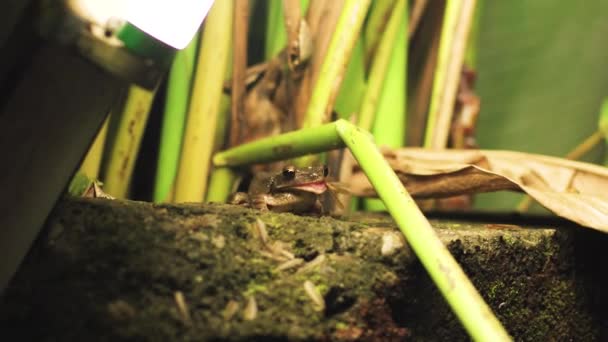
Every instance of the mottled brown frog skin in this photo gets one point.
(292, 189)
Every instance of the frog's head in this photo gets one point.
(308, 179)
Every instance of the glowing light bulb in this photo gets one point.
(172, 22)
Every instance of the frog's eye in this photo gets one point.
(325, 171)
(289, 172)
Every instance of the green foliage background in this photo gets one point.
(543, 73)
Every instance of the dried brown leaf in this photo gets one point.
(570, 189)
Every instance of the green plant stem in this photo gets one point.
(334, 64)
(374, 29)
(470, 57)
(380, 66)
(193, 172)
(449, 277)
(450, 20)
(79, 184)
(92, 161)
(220, 181)
(174, 119)
(220, 184)
(284, 146)
(389, 125)
(353, 88)
(129, 134)
(333, 67)
(276, 36)
(465, 301)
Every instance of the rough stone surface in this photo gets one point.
(119, 270)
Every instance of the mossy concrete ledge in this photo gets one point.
(120, 270)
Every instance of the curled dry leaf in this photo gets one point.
(95, 191)
(570, 189)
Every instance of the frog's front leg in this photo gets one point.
(318, 207)
(259, 202)
(239, 198)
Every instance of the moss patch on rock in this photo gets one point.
(122, 270)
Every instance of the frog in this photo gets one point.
(292, 189)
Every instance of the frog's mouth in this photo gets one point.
(314, 187)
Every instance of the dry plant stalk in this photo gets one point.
(466, 112)
(293, 22)
(446, 90)
(346, 171)
(239, 66)
(462, 133)
(424, 49)
(296, 55)
(417, 11)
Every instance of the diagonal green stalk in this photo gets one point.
(174, 119)
(465, 301)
